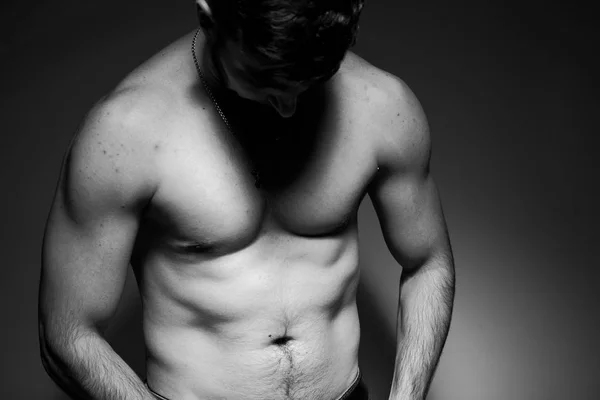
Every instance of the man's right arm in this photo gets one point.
(88, 241)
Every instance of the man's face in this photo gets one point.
(239, 71)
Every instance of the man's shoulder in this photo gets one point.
(130, 114)
(146, 96)
(117, 139)
(376, 87)
(389, 109)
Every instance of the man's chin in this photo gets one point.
(264, 110)
(255, 110)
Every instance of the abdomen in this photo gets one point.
(277, 320)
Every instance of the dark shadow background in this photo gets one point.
(510, 91)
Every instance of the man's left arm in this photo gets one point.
(408, 207)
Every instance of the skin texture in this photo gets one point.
(247, 293)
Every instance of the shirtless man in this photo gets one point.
(228, 171)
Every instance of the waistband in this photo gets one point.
(352, 386)
(158, 396)
(342, 396)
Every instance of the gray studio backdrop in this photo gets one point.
(508, 93)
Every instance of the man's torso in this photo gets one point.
(249, 293)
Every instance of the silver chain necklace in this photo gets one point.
(254, 171)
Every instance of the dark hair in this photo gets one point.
(305, 40)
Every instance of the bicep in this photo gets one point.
(403, 191)
(89, 237)
(84, 265)
(410, 215)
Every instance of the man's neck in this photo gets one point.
(209, 68)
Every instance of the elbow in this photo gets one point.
(43, 342)
(48, 357)
(56, 345)
(47, 364)
(439, 265)
(48, 350)
(47, 341)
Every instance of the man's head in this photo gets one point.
(270, 51)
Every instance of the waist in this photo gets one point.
(313, 359)
(357, 390)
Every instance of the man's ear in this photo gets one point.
(204, 15)
(204, 7)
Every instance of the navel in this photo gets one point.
(281, 340)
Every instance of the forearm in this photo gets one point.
(89, 369)
(424, 313)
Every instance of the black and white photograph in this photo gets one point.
(299, 200)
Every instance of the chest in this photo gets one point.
(311, 180)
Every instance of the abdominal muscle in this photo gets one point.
(264, 323)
